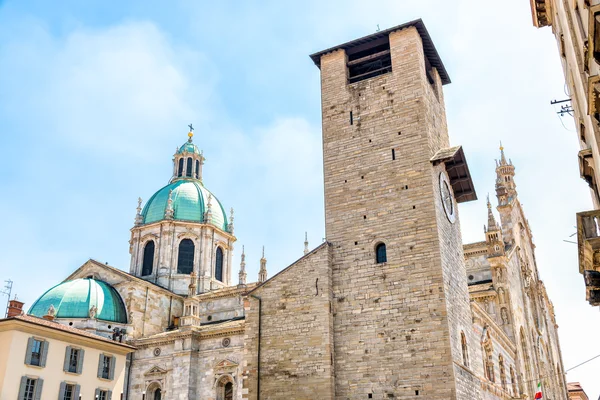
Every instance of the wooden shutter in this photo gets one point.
(100, 363)
(22, 386)
(45, 344)
(109, 395)
(111, 374)
(39, 384)
(80, 361)
(61, 392)
(76, 391)
(97, 393)
(28, 351)
(67, 359)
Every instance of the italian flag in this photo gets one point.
(538, 394)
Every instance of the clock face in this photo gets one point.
(447, 198)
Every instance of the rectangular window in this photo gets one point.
(369, 60)
(69, 391)
(106, 367)
(596, 46)
(29, 389)
(102, 395)
(36, 352)
(73, 360)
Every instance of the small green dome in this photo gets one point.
(73, 299)
(190, 198)
(188, 147)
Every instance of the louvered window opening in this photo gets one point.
(365, 63)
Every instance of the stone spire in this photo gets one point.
(169, 212)
(491, 225)
(230, 225)
(505, 183)
(493, 233)
(138, 215)
(208, 212)
(262, 273)
(242, 275)
(502, 157)
(305, 243)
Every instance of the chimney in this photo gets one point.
(15, 308)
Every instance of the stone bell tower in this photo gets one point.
(392, 184)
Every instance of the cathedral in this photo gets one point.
(392, 305)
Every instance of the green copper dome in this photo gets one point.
(74, 299)
(189, 147)
(190, 200)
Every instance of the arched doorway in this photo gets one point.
(228, 391)
(225, 388)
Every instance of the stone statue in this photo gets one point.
(93, 311)
(51, 311)
(192, 286)
(501, 296)
(504, 315)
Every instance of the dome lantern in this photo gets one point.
(188, 160)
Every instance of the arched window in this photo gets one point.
(185, 260)
(148, 261)
(225, 388)
(380, 253)
(489, 359)
(188, 167)
(197, 168)
(526, 361)
(502, 371)
(513, 381)
(180, 169)
(465, 349)
(219, 264)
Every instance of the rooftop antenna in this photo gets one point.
(377, 28)
(7, 291)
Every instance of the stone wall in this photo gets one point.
(295, 331)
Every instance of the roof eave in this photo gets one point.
(428, 46)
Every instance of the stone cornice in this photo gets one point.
(186, 224)
(193, 332)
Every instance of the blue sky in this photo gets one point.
(96, 96)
